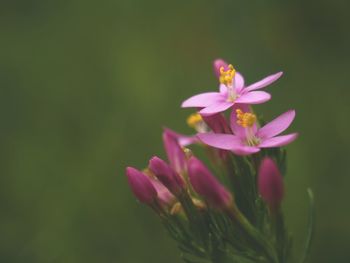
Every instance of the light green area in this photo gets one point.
(85, 87)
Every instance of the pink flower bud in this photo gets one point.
(206, 185)
(217, 64)
(169, 178)
(141, 186)
(175, 154)
(270, 183)
(217, 123)
(164, 196)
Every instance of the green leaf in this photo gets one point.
(310, 229)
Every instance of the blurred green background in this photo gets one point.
(86, 87)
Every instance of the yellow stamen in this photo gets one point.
(226, 77)
(194, 119)
(245, 119)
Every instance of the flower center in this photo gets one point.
(226, 78)
(247, 121)
(196, 122)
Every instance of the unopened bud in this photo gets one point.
(207, 186)
(217, 64)
(174, 151)
(141, 186)
(169, 178)
(217, 123)
(166, 198)
(270, 183)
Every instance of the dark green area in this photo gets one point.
(85, 87)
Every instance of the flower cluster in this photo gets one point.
(234, 215)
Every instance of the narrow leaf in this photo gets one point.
(310, 229)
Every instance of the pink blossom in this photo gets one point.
(247, 138)
(232, 91)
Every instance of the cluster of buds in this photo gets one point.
(232, 211)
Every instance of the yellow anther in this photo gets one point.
(194, 119)
(227, 76)
(245, 119)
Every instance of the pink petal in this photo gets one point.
(184, 140)
(278, 141)
(187, 140)
(202, 100)
(245, 150)
(253, 97)
(220, 140)
(239, 82)
(216, 108)
(238, 129)
(277, 125)
(264, 82)
(223, 89)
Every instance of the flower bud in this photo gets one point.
(169, 178)
(206, 185)
(217, 64)
(164, 196)
(270, 183)
(141, 186)
(217, 123)
(175, 154)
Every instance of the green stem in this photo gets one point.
(279, 232)
(195, 219)
(253, 234)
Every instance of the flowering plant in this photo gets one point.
(236, 215)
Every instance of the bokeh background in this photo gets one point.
(86, 86)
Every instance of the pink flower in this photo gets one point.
(206, 185)
(232, 91)
(141, 186)
(270, 183)
(247, 138)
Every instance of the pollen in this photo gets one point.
(194, 119)
(226, 76)
(245, 119)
